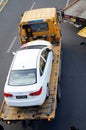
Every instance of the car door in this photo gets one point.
(45, 67)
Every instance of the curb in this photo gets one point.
(2, 4)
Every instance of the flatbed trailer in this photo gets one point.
(75, 13)
(39, 24)
(48, 109)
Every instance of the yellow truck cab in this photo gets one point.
(39, 24)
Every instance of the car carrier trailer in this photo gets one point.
(48, 109)
(39, 24)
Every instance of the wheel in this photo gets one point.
(30, 124)
(24, 124)
(59, 91)
(35, 125)
(48, 92)
(1, 127)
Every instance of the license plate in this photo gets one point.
(21, 97)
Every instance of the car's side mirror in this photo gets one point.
(13, 53)
(48, 49)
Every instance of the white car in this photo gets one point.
(29, 75)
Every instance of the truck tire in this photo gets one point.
(35, 125)
(48, 92)
(59, 91)
(1, 127)
(30, 124)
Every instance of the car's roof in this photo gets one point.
(25, 59)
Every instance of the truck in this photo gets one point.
(37, 24)
(75, 13)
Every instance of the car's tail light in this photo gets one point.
(36, 93)
(7, 95)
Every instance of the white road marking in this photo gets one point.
(68, 1)
(2, 4)
(32, 6)
(11, 45)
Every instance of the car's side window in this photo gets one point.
(45, 53)
(43, 60)
(42, 65)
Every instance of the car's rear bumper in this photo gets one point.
(25, 102)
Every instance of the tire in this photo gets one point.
(35, 125)
(59, 91)
(48, 92)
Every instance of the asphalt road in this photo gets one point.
(72, 108)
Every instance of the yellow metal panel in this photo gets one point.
(38, 14)
(82, 32)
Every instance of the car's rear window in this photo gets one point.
(22, 77)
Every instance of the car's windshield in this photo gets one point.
(22, 77)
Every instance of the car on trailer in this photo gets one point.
(29, 75)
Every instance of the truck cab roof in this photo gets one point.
(39, 14)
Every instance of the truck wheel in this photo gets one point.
(59, 91)
(24, 124)
(48, 92)
(35, 125)
(1, 127)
